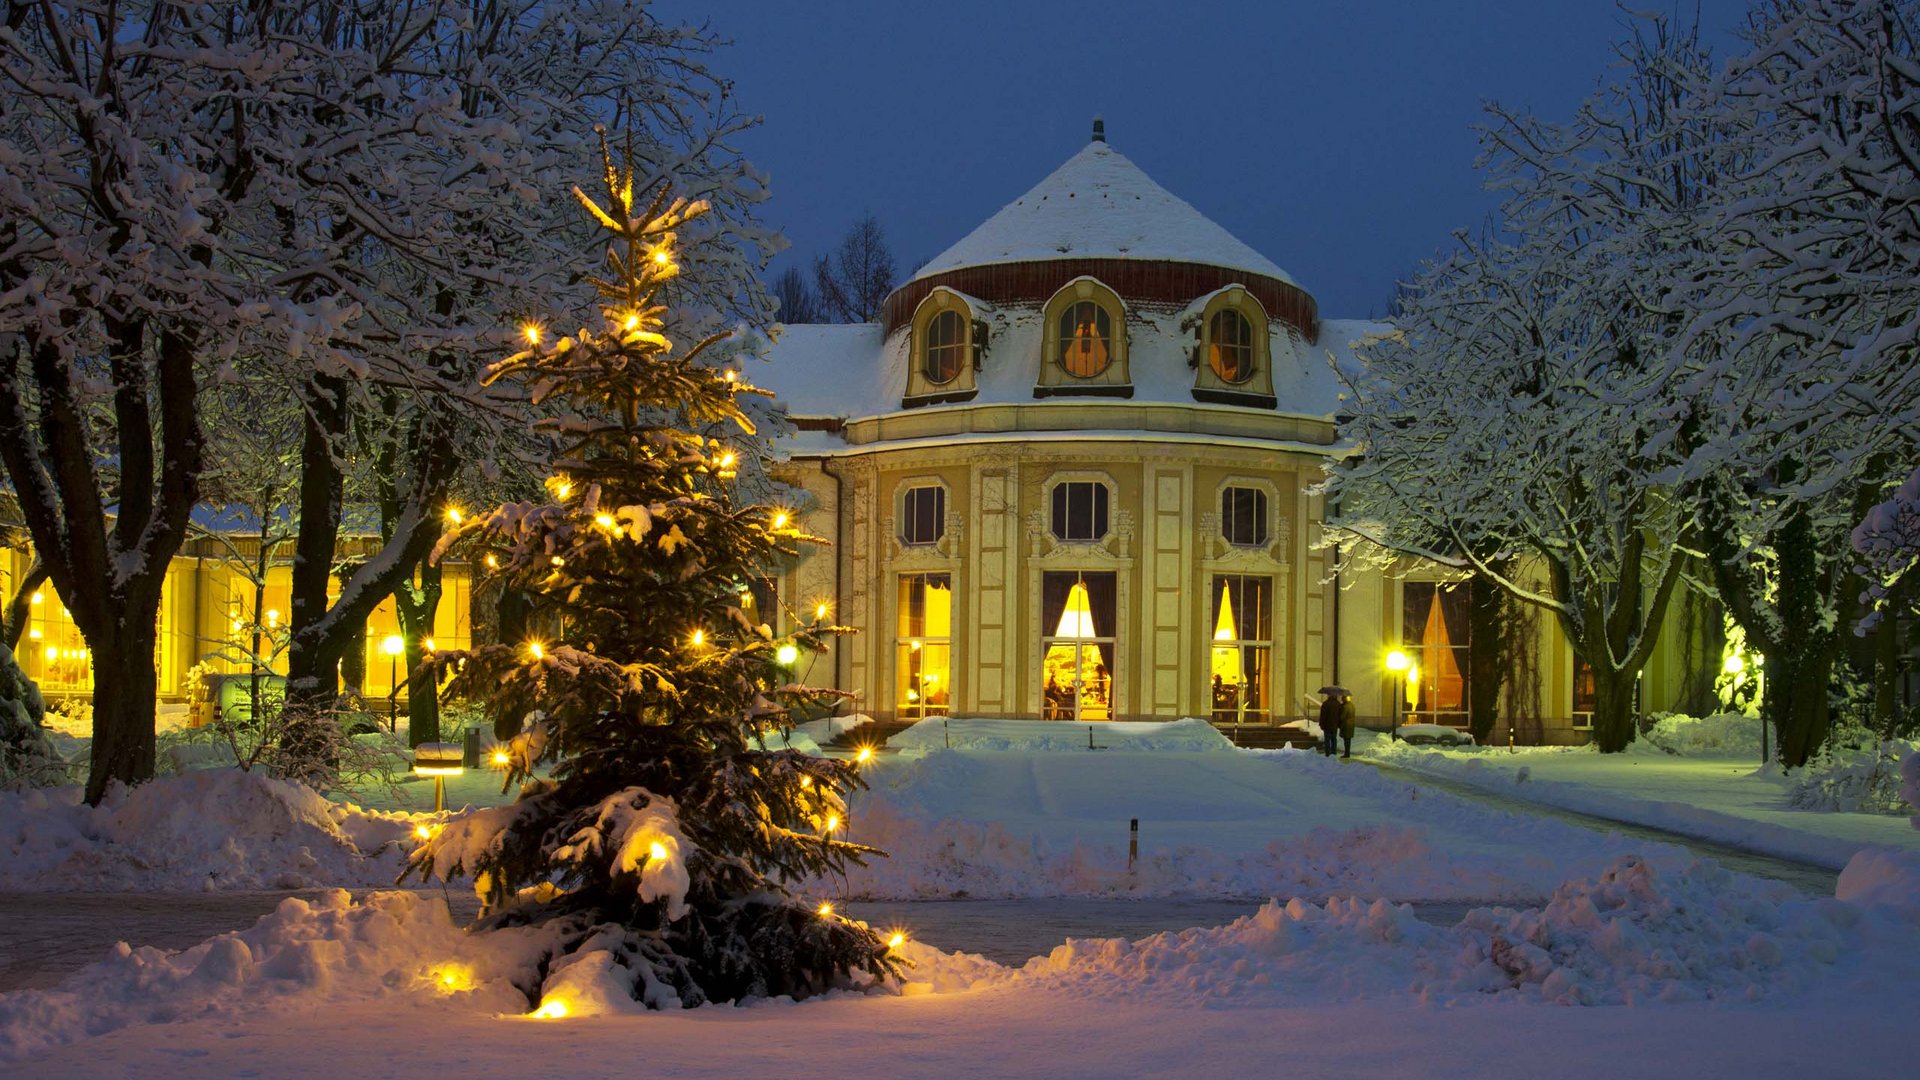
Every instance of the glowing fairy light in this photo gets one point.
(632, 322)
(551, 1009)
(786, 654)
(657, 851)
(825, 909)
(502, 758)
(605, 521)
(535, 650)
(698, 638)
(453, 515)
(780, 519)
(898, 939)
(531, 332)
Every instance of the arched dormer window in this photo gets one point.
(1233, 360)
(944, 343)
(1084, 350)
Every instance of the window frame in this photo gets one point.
(1099, 509)
(1412, 638)
(1054, 378)
(907, 518)
(1263, 647)
(1262, 516)
(1244, 348)
(1255, 388)
(1065, 340)
(915, 651)
(956, 350)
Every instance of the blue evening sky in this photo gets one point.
(1336, 138)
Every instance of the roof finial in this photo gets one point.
(1099, 130)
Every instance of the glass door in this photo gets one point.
(1077, 635)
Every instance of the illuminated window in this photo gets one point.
(923, 515)
(924, 646)
(1585, 698)
(1086, 339)
(760, 602)
(1080, 511)
(946, 346)
(1434, 622)
(1243, 516)
(1242, 648)
(1230, 346)
(1077, 628)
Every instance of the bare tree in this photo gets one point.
(854, 281)
(797, 302)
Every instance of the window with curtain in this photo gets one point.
(1584, 695)
(1086, 339)
(1230, 346)
(945, 349)
(1078, 631)
(923, 647)
(1434, 624)
(1080, 510)
(1241, 652)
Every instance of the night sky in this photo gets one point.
(1334, 138)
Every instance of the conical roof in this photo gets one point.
(1099, 205)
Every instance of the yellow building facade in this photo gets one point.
(1070, 475)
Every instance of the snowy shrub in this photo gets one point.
(1727, 733)
(1863, 781)
(27, 757)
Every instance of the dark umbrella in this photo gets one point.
(1341, 690)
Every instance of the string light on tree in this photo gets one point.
(636, 421)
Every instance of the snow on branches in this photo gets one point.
(660, 845)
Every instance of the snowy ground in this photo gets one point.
(1719, 794)
(1683, 968)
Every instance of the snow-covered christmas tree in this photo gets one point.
(662, 845)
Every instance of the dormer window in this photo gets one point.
(1233, 358)
(1230, 346)
(944, 344)
(1085, 347)
(945, 351)
(1086, 339)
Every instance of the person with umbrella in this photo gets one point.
(1330, 718)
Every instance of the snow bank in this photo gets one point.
(1864, 780)
(206, 830)
(1628, 936)
(1882, 876)
(397, 945)
(1178, 736)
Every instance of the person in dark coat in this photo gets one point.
(1329, 721)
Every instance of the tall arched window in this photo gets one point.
(1086, 339)
(1230, 345)
(946, 346)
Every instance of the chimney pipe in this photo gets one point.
(1099, 130)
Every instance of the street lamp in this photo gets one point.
(393, 646)
(1397, 662)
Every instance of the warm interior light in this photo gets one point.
(273, 617)
(38, 597)
(393, 645)
(34, 634)
(1077, 620)
(53, 653)
(786, 654)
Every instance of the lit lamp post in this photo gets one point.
(1733, 666)
(1397, 663)
(393, 646)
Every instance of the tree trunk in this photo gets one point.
(125, 689)
(1794, 703)
(1613, 712)
(1486, 660)
(20, 606)
(416, 606)
(312, 660)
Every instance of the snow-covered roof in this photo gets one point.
(850, 372)
(1100, 205)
